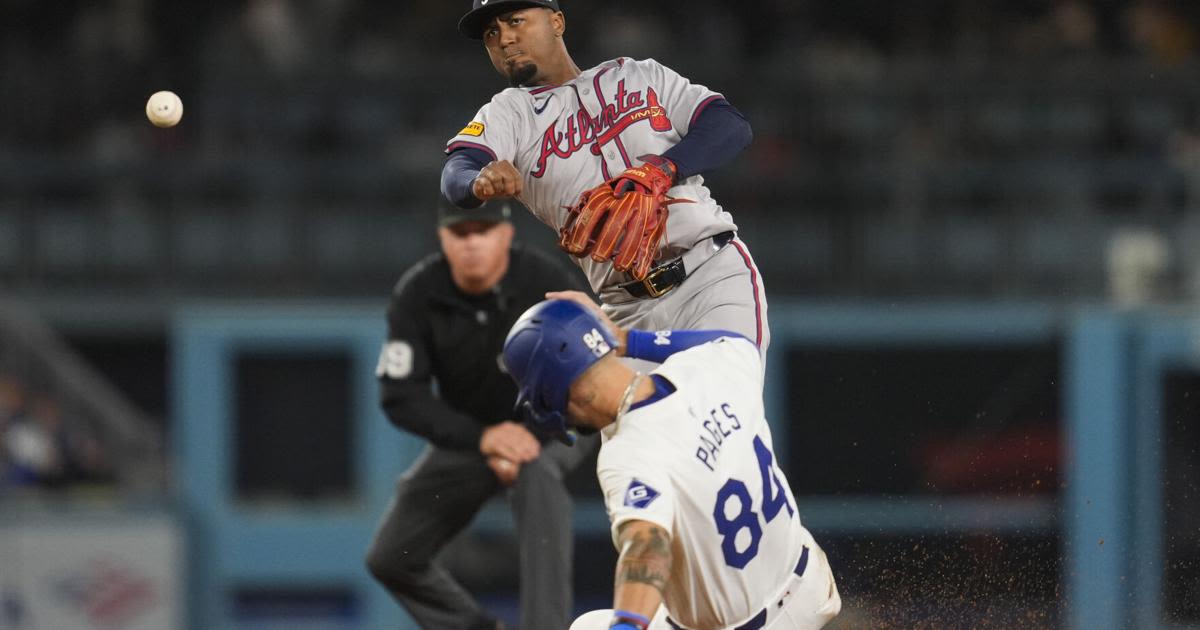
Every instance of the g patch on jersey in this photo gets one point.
(639, 495)
(473, 129)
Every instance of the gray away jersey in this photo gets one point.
(568, 138)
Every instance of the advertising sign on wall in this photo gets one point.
(89, 574)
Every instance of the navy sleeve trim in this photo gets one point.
(703, 106)
(463, 144)
(718, 133)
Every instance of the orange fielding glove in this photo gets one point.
(624, 219)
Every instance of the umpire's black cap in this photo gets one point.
(494, 211)
(471, 24)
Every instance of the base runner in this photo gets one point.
(704, 520)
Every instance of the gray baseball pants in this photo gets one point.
(438, 496)
(724, 293)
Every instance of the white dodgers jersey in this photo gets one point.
(699, 463)
(568, 138)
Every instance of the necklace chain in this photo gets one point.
(627, 397)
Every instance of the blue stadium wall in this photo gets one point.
(1108, 512)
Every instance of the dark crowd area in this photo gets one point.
(926, 148)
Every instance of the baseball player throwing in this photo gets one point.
(611, 158)
(705, 523)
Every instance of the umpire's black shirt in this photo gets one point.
(437, 333)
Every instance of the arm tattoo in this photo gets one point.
(645, 557)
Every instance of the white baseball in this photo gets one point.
(164, 109)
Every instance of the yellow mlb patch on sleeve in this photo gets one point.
(473, 129)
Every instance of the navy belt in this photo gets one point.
(760, 620)
(671, 274)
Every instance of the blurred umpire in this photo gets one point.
(447, 321)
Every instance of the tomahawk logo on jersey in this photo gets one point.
(580, 131)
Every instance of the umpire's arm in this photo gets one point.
(406, 379)
(643, 567)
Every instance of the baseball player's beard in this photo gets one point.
(522, 75)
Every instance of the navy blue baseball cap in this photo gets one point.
(471, 24)
(551, 345)
(493, 211)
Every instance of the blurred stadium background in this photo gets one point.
(977, 221)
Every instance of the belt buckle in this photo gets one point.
(648, 283)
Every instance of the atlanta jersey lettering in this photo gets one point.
(568, 138)
(699, 463)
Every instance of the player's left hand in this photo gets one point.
(582, 299)
(655, 177)
(623, 220)
(506, 471)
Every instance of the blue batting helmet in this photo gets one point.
(551, 344)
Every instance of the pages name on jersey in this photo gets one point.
(716, 427)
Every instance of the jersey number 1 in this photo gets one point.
(774, 499)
